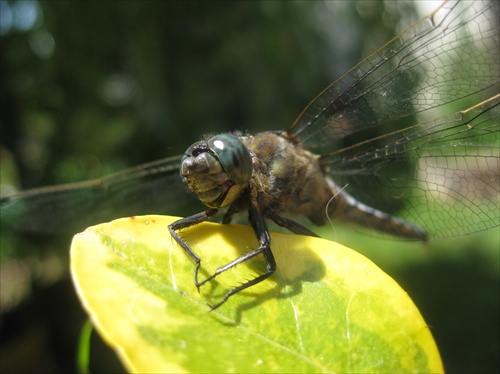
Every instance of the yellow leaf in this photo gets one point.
(326, 309)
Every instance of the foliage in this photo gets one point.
(326, 309)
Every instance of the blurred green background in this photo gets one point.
(88, 88)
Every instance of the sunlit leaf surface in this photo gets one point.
(326, 309)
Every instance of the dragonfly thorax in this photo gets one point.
(217, 169)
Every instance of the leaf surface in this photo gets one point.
(326, 308)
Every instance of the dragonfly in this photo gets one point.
(357, 153)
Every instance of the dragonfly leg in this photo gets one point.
(188, 222)
(228, 216)
(260, 228)
(289, 224)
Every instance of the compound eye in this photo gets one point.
(196, 149)
(234, 157)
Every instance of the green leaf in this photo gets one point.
(326, 308)
(83, 350)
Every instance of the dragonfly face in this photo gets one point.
(217, 170)
(357, 142)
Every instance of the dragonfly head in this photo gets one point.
(217, 169)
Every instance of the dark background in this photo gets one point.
(88, 88)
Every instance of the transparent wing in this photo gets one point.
(449, 56)
(443, 173)
(153, 188)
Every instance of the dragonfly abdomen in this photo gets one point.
(346, 208)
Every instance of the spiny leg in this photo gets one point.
(262, 233)
(289, 224)
(185, 223)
